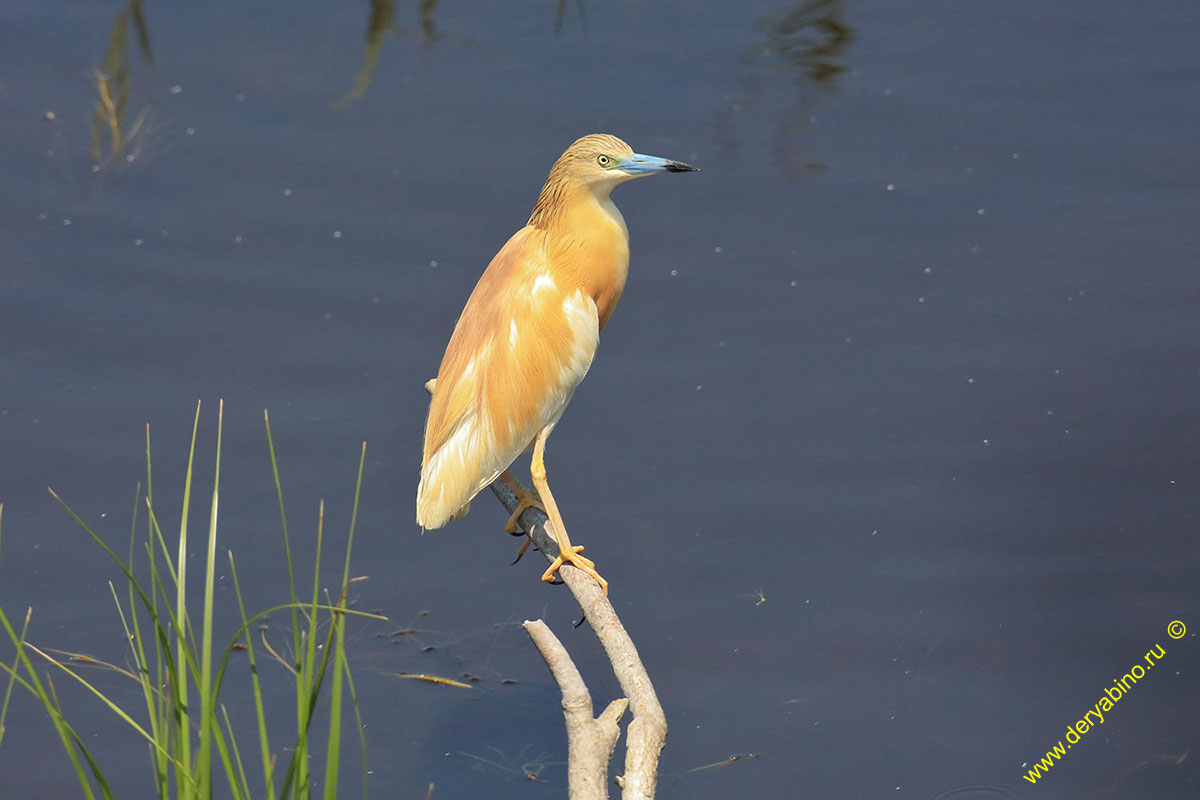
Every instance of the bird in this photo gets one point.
(526, 338)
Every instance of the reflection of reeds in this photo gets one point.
(378, 25)
(428, 25)
(112, 86)
(382, 22)
(562, 13)
(806, 40)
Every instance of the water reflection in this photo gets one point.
(561, 14)
(425, 16)
(807, 41)
(807, 38)
(380, 23)
(114, 136)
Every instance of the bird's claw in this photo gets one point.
(521, 551)
(525, 501)
(584, 565)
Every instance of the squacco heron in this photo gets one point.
(527, 336)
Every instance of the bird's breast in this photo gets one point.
(589, 250)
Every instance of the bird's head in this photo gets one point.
(601, 161)
(594, 164)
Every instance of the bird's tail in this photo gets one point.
(431, 513)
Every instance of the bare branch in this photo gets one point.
(590, 742)
(647, 731)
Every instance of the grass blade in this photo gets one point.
(183, 738)
(65, 734)
(207, 696)
(341, 666)
(264, 745)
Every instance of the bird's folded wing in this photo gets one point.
(524, 341)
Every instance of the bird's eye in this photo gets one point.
(603, 161)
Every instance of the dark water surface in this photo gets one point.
(891, 452)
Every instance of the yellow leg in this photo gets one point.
(525, 500)
(567, 553)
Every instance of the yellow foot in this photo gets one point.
(525, 501)
(585, 565)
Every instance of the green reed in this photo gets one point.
(181, 674)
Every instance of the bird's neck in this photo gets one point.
(588, 244)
